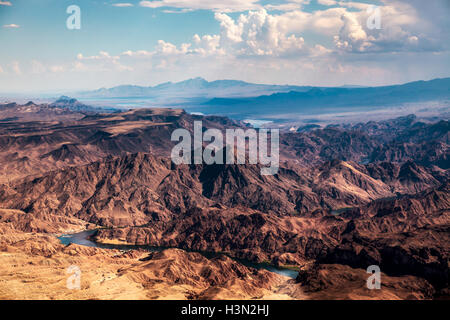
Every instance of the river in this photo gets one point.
(82, 238)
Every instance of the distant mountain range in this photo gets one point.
(242, 100)
(193, 88)
(63, 109)
(230, 89)
(77, 106)
(318, 100)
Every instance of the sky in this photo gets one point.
(299, 42)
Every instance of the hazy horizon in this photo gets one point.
(57, 92)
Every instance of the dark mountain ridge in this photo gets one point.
(331, 98)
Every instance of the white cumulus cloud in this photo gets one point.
(11, 26)
(122, 4)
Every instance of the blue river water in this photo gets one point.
(82, 238)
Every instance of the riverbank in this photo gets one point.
(38, 266)
(84, 238)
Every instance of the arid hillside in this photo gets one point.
(344, 198)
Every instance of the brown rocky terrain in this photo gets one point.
(38, 146)
(31, 112)
(137, 188)
(398, 140)
(41, 222)
(35, 266)
(335, 281)
(406, 236)
(344, 198)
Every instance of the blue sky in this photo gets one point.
(314, 42)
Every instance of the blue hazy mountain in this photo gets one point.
(192, 88)
(243, 100)
(332, 99)
(77, 106)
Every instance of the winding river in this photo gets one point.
(82, 238)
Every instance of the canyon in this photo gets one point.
(345, 197)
